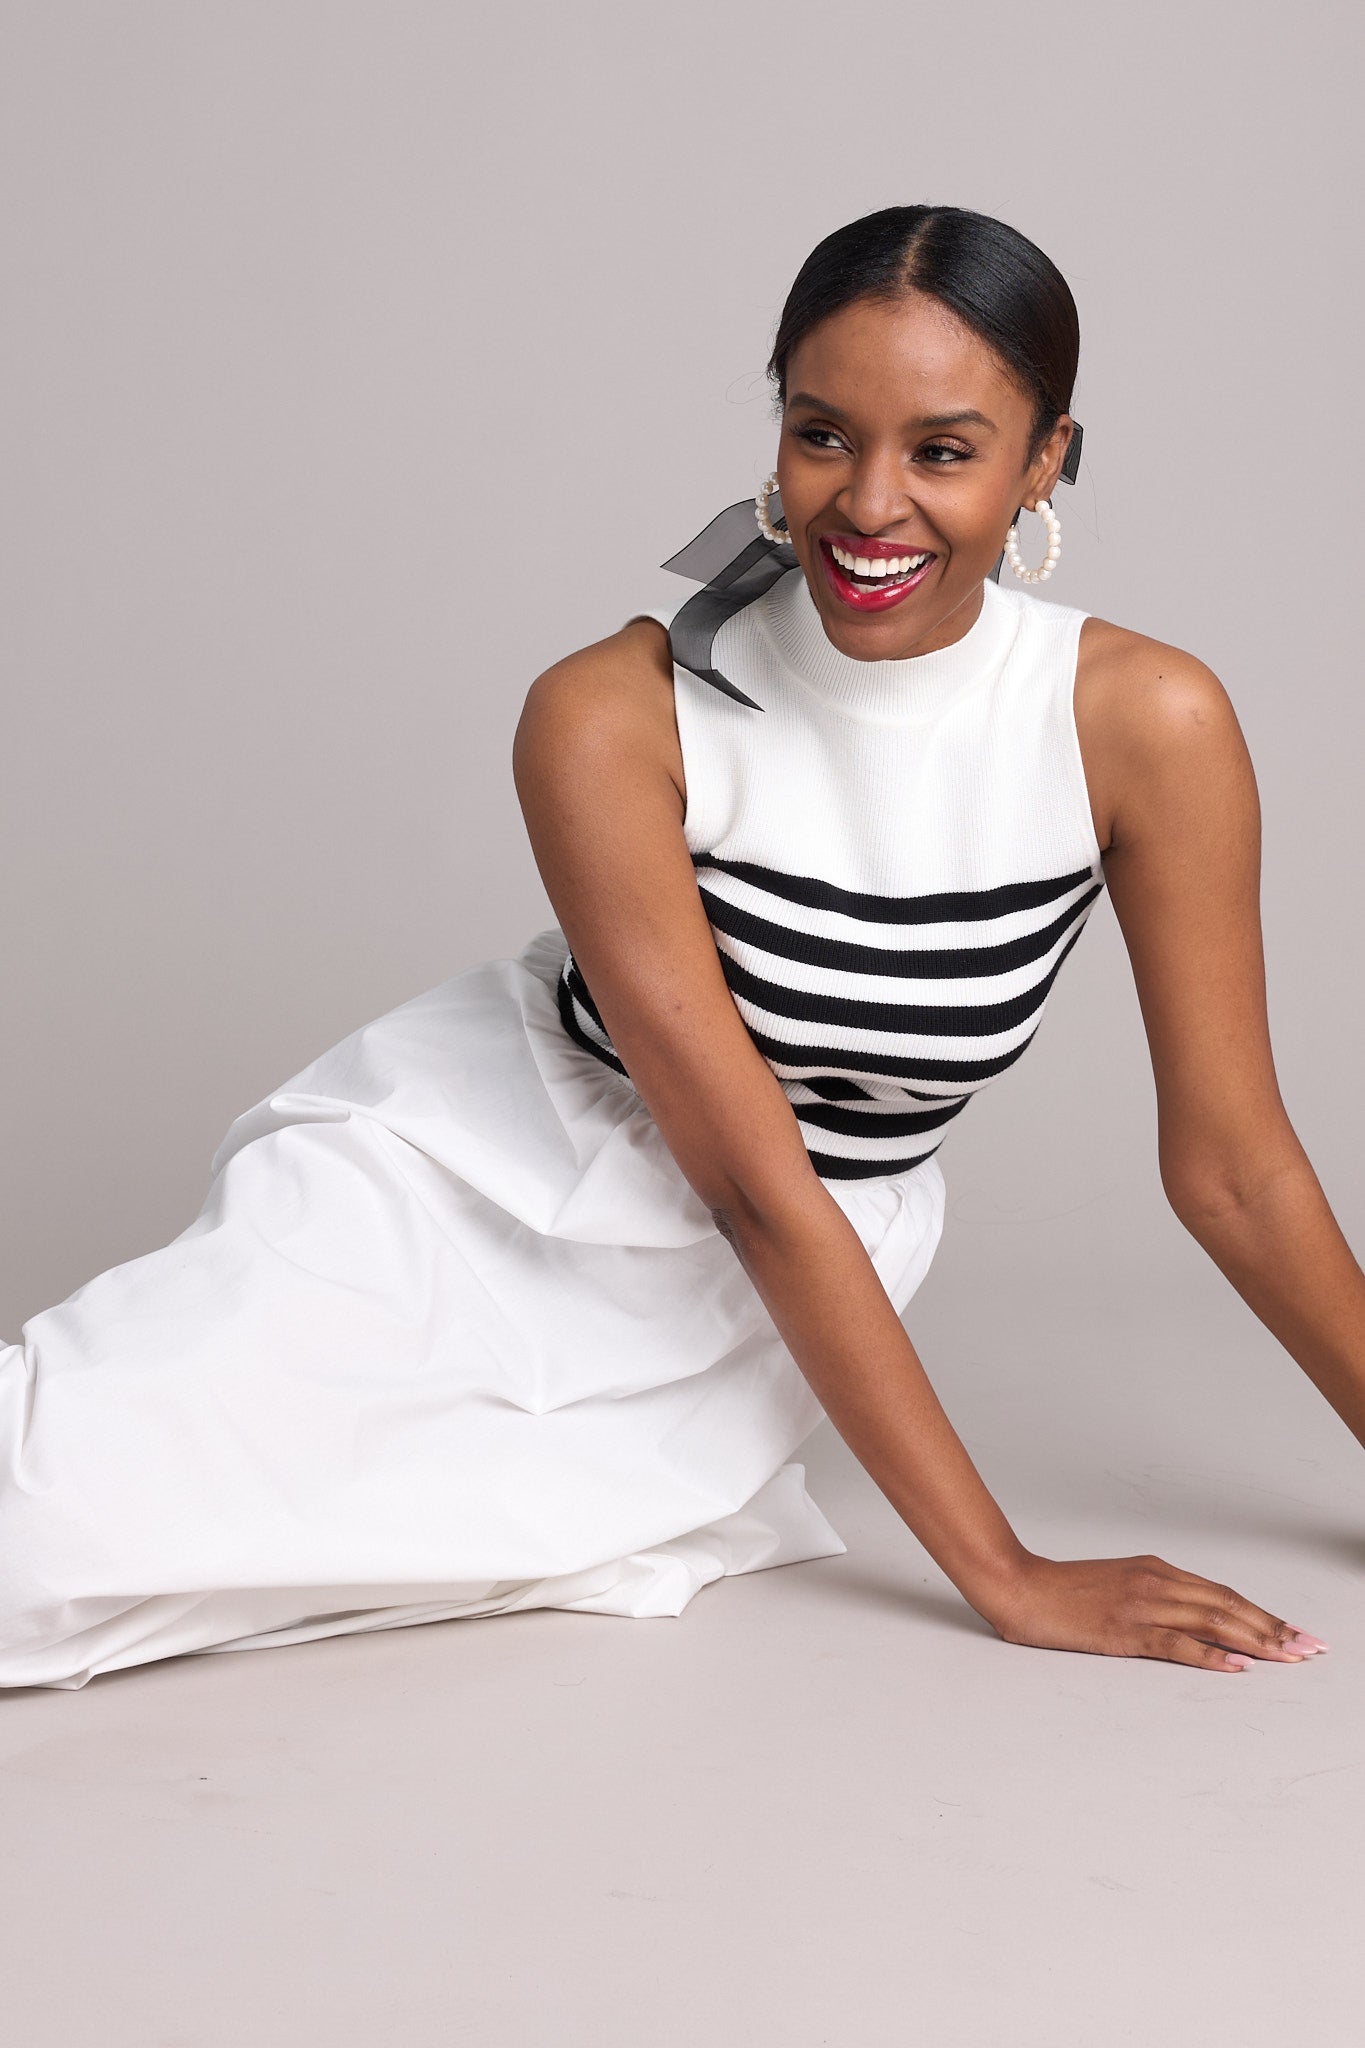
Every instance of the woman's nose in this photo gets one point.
(875, 498)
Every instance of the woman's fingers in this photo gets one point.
(1215, 1629)
(1177, 1648)
(1186, 1605)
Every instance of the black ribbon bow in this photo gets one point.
(736, 564)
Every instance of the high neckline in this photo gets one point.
(901, 692)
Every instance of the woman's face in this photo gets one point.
(873, 450)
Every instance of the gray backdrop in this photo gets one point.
(311, 309)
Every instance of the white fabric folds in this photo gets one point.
(451, 1336)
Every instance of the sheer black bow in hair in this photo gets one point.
(735, 564)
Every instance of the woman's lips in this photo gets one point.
(872, 597)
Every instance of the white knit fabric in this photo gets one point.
(895, 856)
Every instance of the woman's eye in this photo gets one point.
(942, 454)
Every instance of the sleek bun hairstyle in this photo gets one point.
(994, 279)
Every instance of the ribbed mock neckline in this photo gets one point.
(904, 692)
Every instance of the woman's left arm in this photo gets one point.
(1183, 870)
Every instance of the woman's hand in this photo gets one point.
(1141, 1607)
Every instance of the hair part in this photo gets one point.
(994, 279)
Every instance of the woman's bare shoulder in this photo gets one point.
(1139, 703)
(630, 670)
(1139, 672)
(614, 694)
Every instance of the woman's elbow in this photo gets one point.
(765, 1201)
(1204, 1184)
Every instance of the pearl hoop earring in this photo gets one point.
(1054, 546)
(770, 532)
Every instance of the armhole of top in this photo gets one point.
(689, 745)
(1070, 666)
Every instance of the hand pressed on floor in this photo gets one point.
(1142, 1607)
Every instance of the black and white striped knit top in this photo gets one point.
(895, 858)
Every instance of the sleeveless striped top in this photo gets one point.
(895, 860)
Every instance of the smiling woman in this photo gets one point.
(526, 1293)
(924, 366)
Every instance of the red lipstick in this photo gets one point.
(887, 591)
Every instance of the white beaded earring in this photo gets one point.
(1054, 546)
(765, 525)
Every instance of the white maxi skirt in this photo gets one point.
(452, 1335)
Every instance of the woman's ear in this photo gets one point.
(1058, 458)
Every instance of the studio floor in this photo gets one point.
(825, 1805)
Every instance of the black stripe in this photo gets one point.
(576, 1031)
(872, 1123)
(939, 1020)
(947, 906)
(846, 956)
(827, 1056)
(837, 1088)
(584, 994)
(829, 1166)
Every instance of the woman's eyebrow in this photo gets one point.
(961, 417)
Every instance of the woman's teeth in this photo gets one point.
(877, 569)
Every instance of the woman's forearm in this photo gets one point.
(1284, 1252)
(814, 1276)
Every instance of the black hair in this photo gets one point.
(994, 279)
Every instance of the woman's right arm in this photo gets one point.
(598, 776)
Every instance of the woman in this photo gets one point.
(526, 1293)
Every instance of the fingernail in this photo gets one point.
(1303, 1641)
(1240, 1663)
